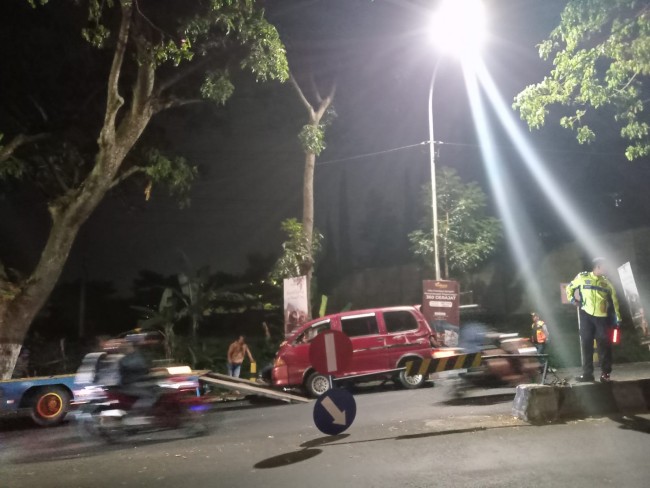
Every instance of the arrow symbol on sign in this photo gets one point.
(333, 410)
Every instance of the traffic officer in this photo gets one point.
(592, 292)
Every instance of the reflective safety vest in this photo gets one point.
(539, 336)
(595, 294)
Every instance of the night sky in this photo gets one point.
(251, 162)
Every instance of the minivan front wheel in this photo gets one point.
(410, 382)
(317, 384)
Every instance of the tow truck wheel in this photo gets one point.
(49, 405)
(317, 384)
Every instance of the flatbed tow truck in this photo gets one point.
(47, 399)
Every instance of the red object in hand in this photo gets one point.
(616, 335)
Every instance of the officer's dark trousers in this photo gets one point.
(595, 328)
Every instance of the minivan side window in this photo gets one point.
(399, 321)
(310, 333)
(359, 325)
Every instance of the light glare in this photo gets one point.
(458, 27)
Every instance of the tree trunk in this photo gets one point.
(308, 219)
(24, 300)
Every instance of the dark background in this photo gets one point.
(368, 180)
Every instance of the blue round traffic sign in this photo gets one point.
(334, 411)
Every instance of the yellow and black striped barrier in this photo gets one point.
(437, 365)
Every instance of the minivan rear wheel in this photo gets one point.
(317, 384)
(410, 382)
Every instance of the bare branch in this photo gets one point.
(114, 101)
(7, 151)
(302, 97)
(314, 88)
(182, 74)
(148, 21)
(327, 101)
(55, 174)
(127, 174)
(176, 102)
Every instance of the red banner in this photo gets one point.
(441, 301)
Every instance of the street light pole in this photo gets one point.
(434, 193)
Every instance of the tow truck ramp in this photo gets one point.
(251, 387)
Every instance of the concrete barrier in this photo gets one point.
(554, 403)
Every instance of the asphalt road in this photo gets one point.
(418, 438)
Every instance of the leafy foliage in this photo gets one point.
(466, 236)
(312, 138)
(601, 59)
(175, 174)
(297, 254)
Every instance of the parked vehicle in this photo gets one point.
(46, 399)
(383, 340)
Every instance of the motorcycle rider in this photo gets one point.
(125, 361)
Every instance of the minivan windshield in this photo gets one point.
(312, 331)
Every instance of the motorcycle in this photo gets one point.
(105, 411)
(507, 360)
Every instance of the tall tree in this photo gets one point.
(466, 235)
(312, 138)
(601, 62)
(148, 59)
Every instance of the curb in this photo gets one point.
(543, 403)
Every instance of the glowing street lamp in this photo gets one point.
(458, 29)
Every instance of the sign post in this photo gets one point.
(565, 301)
(330, 354)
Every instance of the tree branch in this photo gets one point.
(127, 174)
(56, 175)
(182, 74)
(7, 151)
(314, 88)
(302, 97)
(327, 102)
(114, 101)
(176, 102)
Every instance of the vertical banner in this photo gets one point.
(563, 299)
(441, 306)
(637, 310)
(295, 303)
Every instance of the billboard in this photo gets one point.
(637, 310)
(441, 301)
(295, 303)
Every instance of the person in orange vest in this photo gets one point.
(539, 335)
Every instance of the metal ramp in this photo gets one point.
(251, 387)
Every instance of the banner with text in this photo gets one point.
(441, 301)
(295, 303)
(637, 310)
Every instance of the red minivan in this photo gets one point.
(383, 339)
